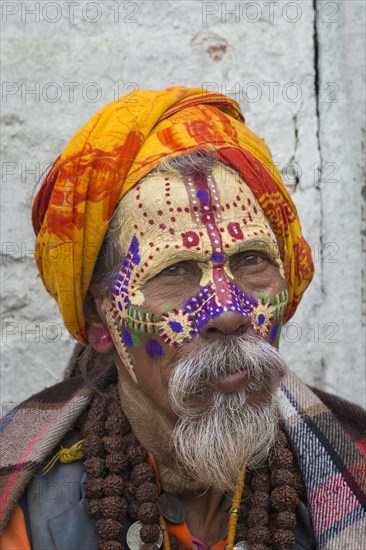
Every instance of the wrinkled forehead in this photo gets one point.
(167, 205)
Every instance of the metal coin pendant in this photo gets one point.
(171, 508)
(133, 537)
(242, 545)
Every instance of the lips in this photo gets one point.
(230, 383)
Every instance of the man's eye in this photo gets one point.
(248, 259)
(173, 270)
(251, 259)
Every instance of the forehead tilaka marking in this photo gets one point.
(205, 205)
(212, 235)
(199, 218)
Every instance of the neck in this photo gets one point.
(153, 430)
(204, 516)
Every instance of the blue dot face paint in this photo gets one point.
(274, 332)
(153, 348)
(177, 326)
(127, 338)
(167, 221)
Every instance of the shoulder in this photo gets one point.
(352, 417)
(34, 428)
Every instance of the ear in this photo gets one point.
(97, 332)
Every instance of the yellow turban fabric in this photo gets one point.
(122, 143)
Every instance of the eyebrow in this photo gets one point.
(264, 244)
(258, 242)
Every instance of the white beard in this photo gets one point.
(218, 433)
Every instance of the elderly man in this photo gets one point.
(175, 254)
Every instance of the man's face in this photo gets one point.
(195, 316)
(201, 265)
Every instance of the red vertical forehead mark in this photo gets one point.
(205, 205)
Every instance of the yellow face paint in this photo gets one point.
(176, 219)
(207, 221)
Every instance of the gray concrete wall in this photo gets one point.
(297, 70)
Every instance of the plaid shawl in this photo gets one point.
(325, 433)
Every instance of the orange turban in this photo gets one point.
(122, 143)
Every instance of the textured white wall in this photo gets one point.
(297, 73)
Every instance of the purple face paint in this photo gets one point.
(176, 326)
(153, 348)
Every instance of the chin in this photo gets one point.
(218, 432)
(233, 432)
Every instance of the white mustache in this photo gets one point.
(217, 433)
(228, 355)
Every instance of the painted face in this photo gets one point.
(196, 249)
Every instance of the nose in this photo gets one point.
(228, 322)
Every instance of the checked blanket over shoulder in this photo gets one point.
(327, 435)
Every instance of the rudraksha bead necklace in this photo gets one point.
(121, 481)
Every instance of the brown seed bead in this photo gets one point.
(109, 529)
(99, 404)
(131, 439)
(93, 446)
(284, 498)
(94, 487)
(147, 492)
(149, 533)
(283, 538)
(257, 516)
(113, 507)
(114, 443)
(94, 424)
(259, 547)
(286, 520)
(173, 541)
(261, 482)
(146, 546)
(94, 508)
(259, 534)
(115, 412)
(281, 439)
(114, 409)
(241, 533)
(260, 499)
(116, 425)
(283, 476)
(141, 473)
(148, 513)
(125, 426)
(93, 429)
(243, 511)
(94, 467)
(113, 485)
(129, 491)
(95, 419)
(109, 545)
(282, 457)
(133, 509)
(136, 454)
(116, 462)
